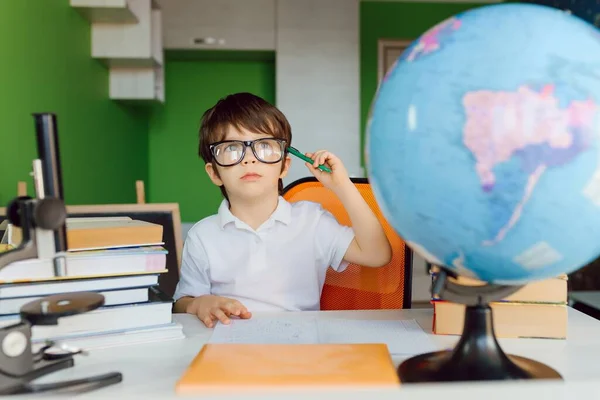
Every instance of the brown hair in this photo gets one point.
(241, 110)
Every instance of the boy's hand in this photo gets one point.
(338, 177)
(209, 309)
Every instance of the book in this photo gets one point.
(56, 286)
(119, 337)
(553, 290)
(156, 311)
(112, 297)
(86, 233)
(510, 319)
(243, 367)
(96, 263)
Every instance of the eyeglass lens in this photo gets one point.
(265, 150)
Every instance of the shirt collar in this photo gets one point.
(283, 214)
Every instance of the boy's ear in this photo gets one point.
(285, 167)
(213, 174)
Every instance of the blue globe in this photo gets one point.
(483, 145)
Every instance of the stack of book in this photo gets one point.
(118, 257)
(538, 310)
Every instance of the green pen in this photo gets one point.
(307, 159)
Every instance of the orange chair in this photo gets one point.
(359, 288)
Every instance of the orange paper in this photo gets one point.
(283, 366)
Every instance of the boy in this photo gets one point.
(261, 252)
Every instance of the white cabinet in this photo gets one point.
(127, 36)
(105, 11)
(144, 82)
(219, 24)
(130, 44)
(137, 83)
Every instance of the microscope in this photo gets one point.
(42, 220)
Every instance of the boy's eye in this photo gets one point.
(232, 147)
(265, 145)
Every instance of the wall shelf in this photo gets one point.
(137, 84)
(105, 11)
(130, 45)
(132, 50)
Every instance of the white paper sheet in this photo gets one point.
(266, 330)
(403, 337)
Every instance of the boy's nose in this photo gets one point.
(249, 158)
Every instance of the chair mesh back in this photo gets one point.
(357, 288)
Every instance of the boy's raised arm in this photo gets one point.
(370, 246)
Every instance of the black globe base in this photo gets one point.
(440, 367)
(476, 357)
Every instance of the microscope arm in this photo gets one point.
(21, 253)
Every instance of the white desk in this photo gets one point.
(151, 370)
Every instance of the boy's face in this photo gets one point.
(249, 179)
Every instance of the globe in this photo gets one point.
(483, 146)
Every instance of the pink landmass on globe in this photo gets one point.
(430, 40)
(527, 123)
(500, 123)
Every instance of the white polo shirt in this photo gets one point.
(280, 266)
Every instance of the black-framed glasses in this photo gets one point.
(231, 152)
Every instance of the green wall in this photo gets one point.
(393, 20)
(46, 67)
(105, 145)
(176, 172)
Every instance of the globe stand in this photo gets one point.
(478, 355)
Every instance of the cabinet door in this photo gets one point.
(137, 83)
(219, 24)
(133, 44)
